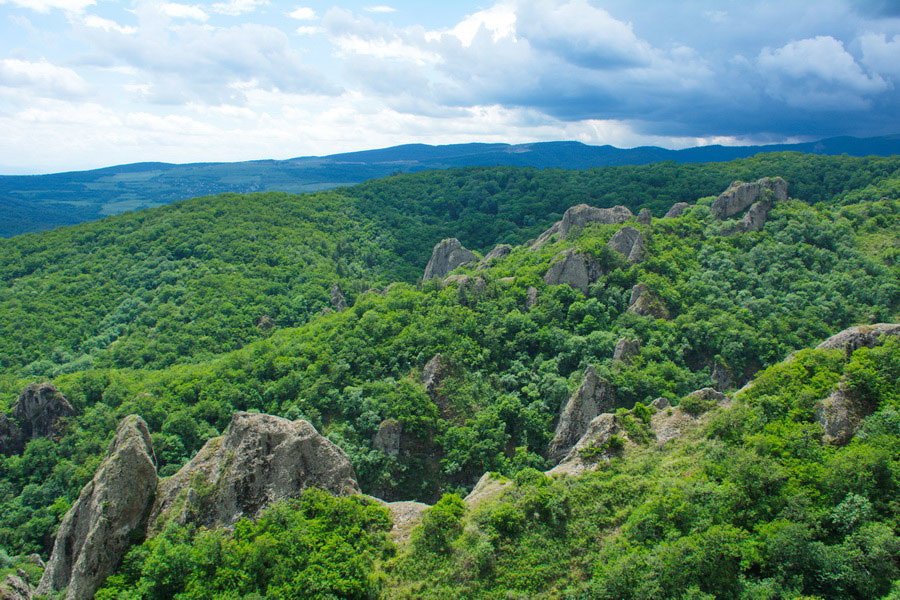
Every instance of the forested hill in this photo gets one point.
(41, 202)
(196, 278)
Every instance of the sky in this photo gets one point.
(91, 83)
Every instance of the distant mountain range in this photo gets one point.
(39, 202)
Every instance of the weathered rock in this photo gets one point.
(593, 447)
(260, 460)
(756, 216)
(489, 486)
(405, 515)
(387, 438)
(464, 282)
(433, 374)
(661, 403)
(111, 509)
(265, 322)
(447, 255)
(739, 196)
(15, 588)
(673, 422)
(338, 302)
(626, 348)
(39, 409)
(499, 251)
(646, 303)
(574, 267)
(629, 242)
(645, 216)
(581, 215)
(721, 377)
(12, 438)
(676, 210)
(531, 297)
(593, 397)
(854, 338)
(839, 415)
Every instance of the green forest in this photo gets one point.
(186, 313)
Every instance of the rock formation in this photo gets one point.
(756, 217)
(840, 415)
(338, 302)
(740, 196)
(581, 215)
(489, 486)
(645, 216)
(15, 587)
(574, 267)
(405, 515)
(464, 282)
(646, 303)
(447, 255)
(854, 338)
(676, 210)
(36, 413)
(593, 397)
(595, 445)
(387, 438)
(629, 242)
(531, 297)
(673, 422)
(98, 529)
(260, 459)
(626, 348)
(499, 251)
(721, 377)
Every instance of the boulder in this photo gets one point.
(593, 397)
(499, 251)
(574, 267)
(581, 215)
(260, 460)
(626, 348)
(646, 303)
(839, 415)
(447, 255)
(740, 196)
(594, 446)
(676, 210)
(645, 216)
(756, 216)
(338, 302)
(110, 511)
(661, 403)
(387, 438)
(854, 338)
(39, 409)
(629, 242)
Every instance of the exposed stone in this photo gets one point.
(574, 267)
(489, 486)
(626, 348)
(739, 196)
(531, 297)
(338, 302)
(39, 409)
(387, 438)
(629, 242)
(756, 216)
(675, 210)
(581, 215)
(499, 251)
(721, 377)
(433, 374)
(405, 516)
(464, 282)
(260, 460)
(839, 415)
(645, 216)
(593, 397)
(447, 255)
(854, 338)
(265, 322)
(593, 447)
(99, 528)
(646, 303)
(12, 438)
(15, 587)
(661, 403)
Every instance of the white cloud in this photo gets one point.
(41, 78)
(45, 6)
(183, 11)
(880, 54)
(303, 13)
(380, 9)
(499, 21)
(108, 25)
(234, 8)
(309, 30)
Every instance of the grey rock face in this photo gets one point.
(447, 255)
(433, 374)
(581, 215)
(839, 415)
(38, 410)
(629, 242)
(660, 403)
(739, 196)
(676, 210)
(646, 303)
(645, 216)
(15, 588)
(593, 446)
(97, 530)
(574, 267)
(626, 348)
(756, 217)
(499, 251)
(531, 296)
(721, 377)
(476, 285)
(338, 302)
(260, 460)
(593, 397)
(854, 338)
(387, 438)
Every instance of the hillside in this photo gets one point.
(500, 365)
(41, 202)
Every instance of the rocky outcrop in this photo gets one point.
(840, 415)
(675, 210)
(499, 251)
(15, 587)
(670, 422)
(629, 242)
(597, 444)
(721, 377)
(645, 216)
(854, 338)
(488, 487)
(574, 267)
(338, 302)
(531, 297)
(38, 412)
(646, 303)
(260, 460)
(740, 196)
(756, 217)
(405, 515)
(593, 397)
(447, 255)
(387, 438)
(111, 509)
(579, 216)
(466, 283)
(626, 348)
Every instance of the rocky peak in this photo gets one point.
(645, 216)
(853, 338)
(629, 242)
(581, 215)
(97, 531)
(39, 409)
(260, 459)
(626, 348)
(447, 255)
(574, 267)
(595, 445)
(675, 210)
(740, 196)
(593, 397)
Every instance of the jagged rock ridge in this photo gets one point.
(581, 215)
(593, 397)
(447, 255)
